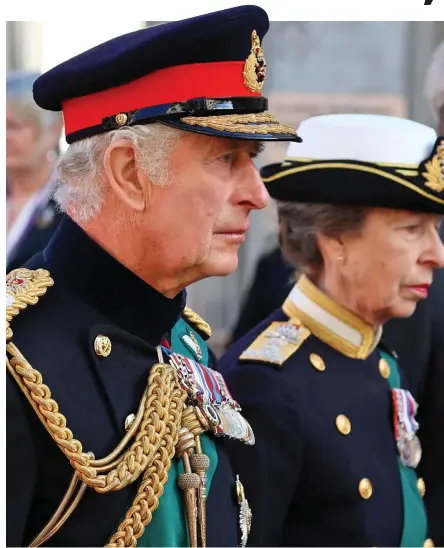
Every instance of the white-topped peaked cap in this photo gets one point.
(362, 160)
(364, 137)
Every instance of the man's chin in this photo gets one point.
(222, 265)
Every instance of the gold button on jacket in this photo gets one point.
(102, 346)
(343, 424)
(365, 488)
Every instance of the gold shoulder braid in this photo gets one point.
(195, 319)
(155, 428)
(24, 287)
(277, 342)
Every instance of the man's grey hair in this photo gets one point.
(434, 85)
(301, 223)
(80, 177)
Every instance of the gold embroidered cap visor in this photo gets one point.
(204, 74)
(349, 173)
(261, 126)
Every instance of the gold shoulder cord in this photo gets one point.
(154, 431)
(195, 319)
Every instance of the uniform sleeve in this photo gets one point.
(21, 465)
(270, 469)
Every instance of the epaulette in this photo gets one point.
(198, 323)
(277, 343)
(24, 287)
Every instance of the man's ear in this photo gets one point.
(125, 179)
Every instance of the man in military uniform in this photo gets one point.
(116, 419)
(360, 202)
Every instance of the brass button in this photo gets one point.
(102, 346)
(317, 362)
(343, 424)
(365, 488)
(429, 543)
(121, 119)
(129, 421)
(421, 486)
(384, 368)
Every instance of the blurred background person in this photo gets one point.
(32, 142)
(434, 87)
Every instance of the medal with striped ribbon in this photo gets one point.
(406, 426)
(208, 391)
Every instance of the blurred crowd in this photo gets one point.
(32, 147)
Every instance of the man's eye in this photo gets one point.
(226, 158)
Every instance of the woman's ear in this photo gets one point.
(332, 249)
(125, 179)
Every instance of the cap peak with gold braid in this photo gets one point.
(203, 74)
(362, 160)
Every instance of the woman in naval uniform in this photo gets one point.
(336, 434)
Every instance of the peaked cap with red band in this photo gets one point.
(204, 74)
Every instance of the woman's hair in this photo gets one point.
(301, 223)
(19, 97)
(80, 180)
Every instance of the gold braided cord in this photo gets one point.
(153, 433)
(46, 531)
(191, 421)
(151, 488)
(261, 123)
(59, 521)
(147, 441)
(199, 322)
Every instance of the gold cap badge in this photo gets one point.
(255, 69)
(434, 170)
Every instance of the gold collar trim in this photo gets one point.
(331, 322)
